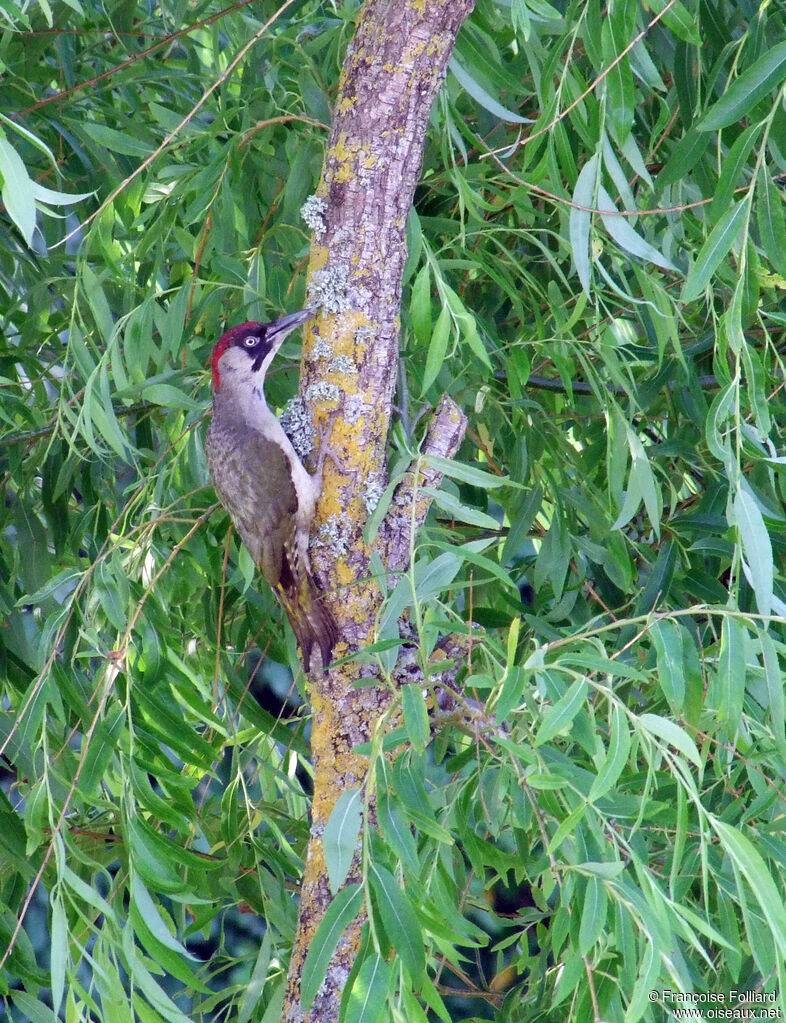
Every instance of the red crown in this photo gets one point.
(226, 341)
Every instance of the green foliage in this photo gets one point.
(596, 273)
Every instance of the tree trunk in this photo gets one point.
(392, 72)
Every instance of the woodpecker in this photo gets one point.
(259, 479)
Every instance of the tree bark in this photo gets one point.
(392, 72)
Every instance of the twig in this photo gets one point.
(45, 431)
(444, 438)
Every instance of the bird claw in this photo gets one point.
(325, 451)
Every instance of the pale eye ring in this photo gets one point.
(250, 341)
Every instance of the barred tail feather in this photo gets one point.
(311, 621)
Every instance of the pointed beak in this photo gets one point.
(278, 330)
(275, 333)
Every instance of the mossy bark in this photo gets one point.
(392, 73)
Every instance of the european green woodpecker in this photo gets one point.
(260, 480)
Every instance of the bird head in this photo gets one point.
(251, 347)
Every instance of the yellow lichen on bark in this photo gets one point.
(346, 577)
(317, 257)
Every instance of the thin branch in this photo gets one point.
(46, 431)
(706, 383)
(81, 86)
(410, 505)
(591, 88)
(189, 116)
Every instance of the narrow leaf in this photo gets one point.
(53, 198)
(756, 545)
(461, 512)
(641, 487)
(623, 234)
(667, 640)
(368, 998)
(167, 395)
(479, 94)
(415, 716)
(32, 1009)
(752, 866)
(400, 921)
(17, 190)
(275, 1006)
(433, 999)
(438, 346)
(396, 831)
(420, 306)
(522, 515)
(667, 730)
(738, 100)
(616, 757)
(99, 304)
(731, 674)
(116, 141)
(340, 837)
(469, 554)
(769, 216)
(593, 914)
(580, 220)
(566, 827)
(774, 679)
(34, 140)
(512, 688)
(469, 474)
(558, 717)
(716, 425)
(713, 251)
(256, 983)
(733, 167)
(153, 919)
(684, 157)
(620, 99)
(141, 977)
(58, 951)
(341, 911)
(649, 969)
(678, 20)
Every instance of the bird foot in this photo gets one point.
(325, 451)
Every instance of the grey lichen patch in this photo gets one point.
(372, 494)
(322, 391)
(355, 408)
(298, 425)
(343, 364)
(313, 212)
(333, 535)
(321, 349)
(328, 289)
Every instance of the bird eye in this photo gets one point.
(250, 341)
